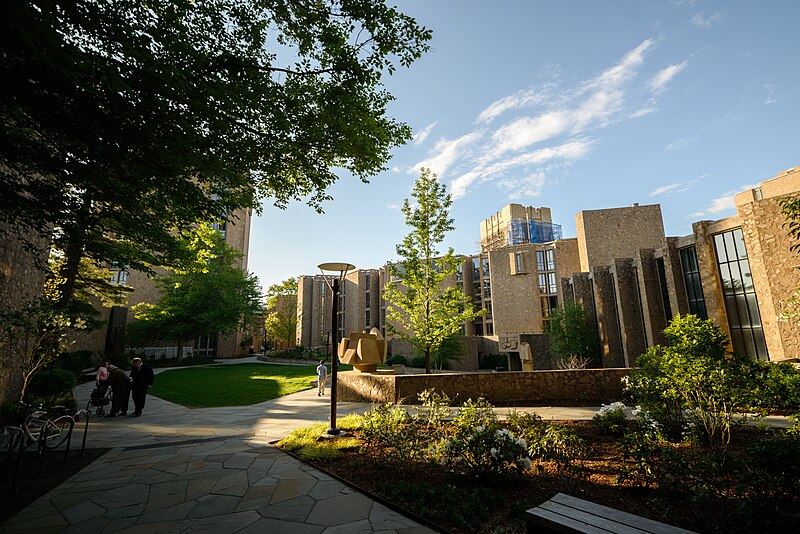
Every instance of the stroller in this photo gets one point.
(100, 398)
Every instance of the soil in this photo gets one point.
(511, 495)
(29, 485)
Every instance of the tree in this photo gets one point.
(281, 320)
(126, 121)
(424, 309)
(213, 295)
(571, 336)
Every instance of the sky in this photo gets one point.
(573, 105)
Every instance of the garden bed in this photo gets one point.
(679, 484)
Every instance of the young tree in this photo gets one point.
(571, 336)
(281, 320)
(424, 309)
(212, 295)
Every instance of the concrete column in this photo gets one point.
(655, 319)
(607, 318)
(626, 293)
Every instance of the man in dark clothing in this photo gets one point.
(141, 380)
(121, 388)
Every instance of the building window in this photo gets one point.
(540, 263)
(366, 318)
(485, 262)
(518, 262)
(460, 274)
(487, 289)
(662, 284)
(550, 256)
(691, 278)
(741, 304)
(119, 276)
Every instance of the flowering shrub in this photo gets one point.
(612, 419)
(482, 450)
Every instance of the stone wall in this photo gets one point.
(584, 387)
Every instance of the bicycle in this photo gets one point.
(37, 425)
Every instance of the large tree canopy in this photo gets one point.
(126, 119)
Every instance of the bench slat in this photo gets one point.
(553, 522)
(564, 514)
(642, 523)
(606, 523)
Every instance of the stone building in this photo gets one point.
(630, 277)
(110, 338)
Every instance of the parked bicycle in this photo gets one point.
(52, 426)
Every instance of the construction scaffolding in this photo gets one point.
(522, 232)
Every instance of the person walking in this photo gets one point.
(322, 376)
(141, 380)
(121, 389)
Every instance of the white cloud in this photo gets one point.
(642, 112)
(523, 152)
(701, 21)
(530, 130)
(520, 99)
(723, 203)
(393, 206)
(666, 189)
(770, 94)
(658, 82)
(445, 152)
(421, 136)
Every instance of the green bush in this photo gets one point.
(611, 419)
(399, 359)
(475, 413)
(75, 361)
(48, 385)
(773, 386)
(481, 450)
(692, 385)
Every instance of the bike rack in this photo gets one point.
(10, 451)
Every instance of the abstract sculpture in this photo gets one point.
(363, 351)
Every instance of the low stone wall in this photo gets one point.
(583, 387)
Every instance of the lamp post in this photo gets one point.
(341, 269)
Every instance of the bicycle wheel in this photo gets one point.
(58, 430)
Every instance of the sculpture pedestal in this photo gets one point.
(365, 367)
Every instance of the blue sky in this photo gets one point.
(573, 105)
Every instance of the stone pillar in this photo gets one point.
(655, 319)
(626, 292)
(607, 318)
(675, 281)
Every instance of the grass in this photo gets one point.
(232, 385)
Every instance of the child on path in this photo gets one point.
(322, 376)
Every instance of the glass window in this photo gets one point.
(366, 318)
(485, 267)
(540, 262)
(691, 278)
(518, 262)
(741, 303)
(542, 283)
(551, 260)
(551, 283)
(487, 289)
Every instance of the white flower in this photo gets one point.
(521, 442)
(479, 429)
(526, 463)
(493, 452)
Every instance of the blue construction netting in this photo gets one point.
(520, 233)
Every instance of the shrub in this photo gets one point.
(47, 386)
(351, 421)
(481, 450)
(691, 384)
(437, 408)
(475, 413)
(611, 419)
(75, 361)
(399, 359)
(773, 386)
(529, 426)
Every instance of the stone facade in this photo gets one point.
(584, 387)
(21, 281)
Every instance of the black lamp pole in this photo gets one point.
(334, 353)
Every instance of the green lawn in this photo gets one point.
(232, 385)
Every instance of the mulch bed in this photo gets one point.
(501, 508)
(29, 485)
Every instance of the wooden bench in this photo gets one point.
(566, 514)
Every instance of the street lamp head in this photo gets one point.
(337, 267)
